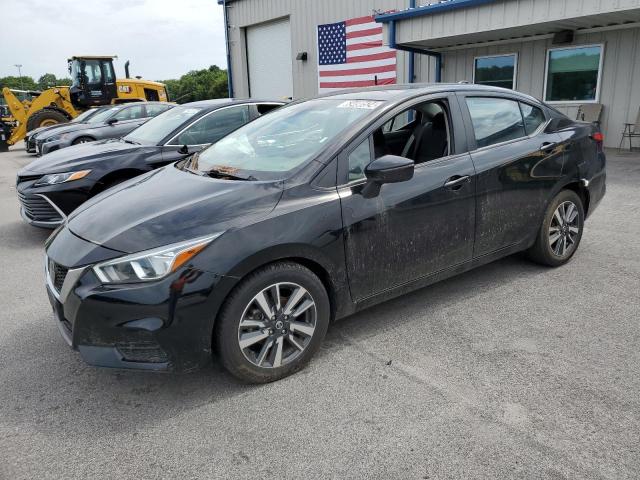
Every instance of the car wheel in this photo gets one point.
(272, 323)
(80, 140)
(561, 230)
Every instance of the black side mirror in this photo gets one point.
(386, 169)
(111, 121)
(184, 150)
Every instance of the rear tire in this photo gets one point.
(45, 118)
(561, 230)
(287, 337)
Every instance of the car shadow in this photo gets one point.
(48, 385)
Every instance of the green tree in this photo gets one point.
(18, 83)
(49, 80)
(198, 85)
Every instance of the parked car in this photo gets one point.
(51, 187)
(322, 208)
(111, 122)
(30, 137)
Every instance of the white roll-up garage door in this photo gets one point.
(269, 60)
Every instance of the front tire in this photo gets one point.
(80, 140)
(272, 323)
(561, 230)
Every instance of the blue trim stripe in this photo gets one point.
(444, 6)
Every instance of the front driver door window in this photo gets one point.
(213, 126)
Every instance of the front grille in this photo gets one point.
(57, 274)
(31, 143)
(38, 209)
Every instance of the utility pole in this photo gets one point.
(19, 66)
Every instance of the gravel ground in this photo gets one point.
(508, 371)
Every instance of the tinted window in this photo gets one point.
(497, 71)
(214, 126)
(572, 74)
(153, 110)
(358, 160)
(130, 113)
(495, 120)
(533, 117)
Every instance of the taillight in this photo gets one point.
(598, 137)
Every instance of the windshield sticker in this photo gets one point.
(362, 104)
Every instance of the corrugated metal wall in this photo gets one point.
(502, 14)
(620, 81)
(305, 16)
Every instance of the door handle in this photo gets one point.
(455, 182)
(548, 146)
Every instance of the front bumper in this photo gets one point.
(47, 147)
(163, 325)
(48, 206)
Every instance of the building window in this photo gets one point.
(497, 70)
(573, 74)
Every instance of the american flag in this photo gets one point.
(351, 54)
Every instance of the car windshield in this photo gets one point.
(85, 115)
(102, 115)
(280, 141)
(158, 128)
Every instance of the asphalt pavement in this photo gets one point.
(509, 371)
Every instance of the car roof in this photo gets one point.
(225, 102)
(399, 92)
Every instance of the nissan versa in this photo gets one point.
(51, 187)
(254, 245)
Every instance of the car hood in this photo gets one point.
(78, 156)
(169, 205)
(42, 130)
(68, 128)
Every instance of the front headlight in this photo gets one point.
(151, 264)
(54, 178)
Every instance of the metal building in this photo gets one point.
(566, 52)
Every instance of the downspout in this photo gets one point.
(436, 55)
(412, 4)
(226, 41)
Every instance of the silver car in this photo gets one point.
(30, 137)
(111, 122)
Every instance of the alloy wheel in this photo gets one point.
(277, 325)
(564, 229)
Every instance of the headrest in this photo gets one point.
(438, 122)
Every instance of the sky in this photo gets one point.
(163, 39)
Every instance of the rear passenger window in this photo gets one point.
(533, 117)
(495, 120)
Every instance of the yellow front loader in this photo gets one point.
(93, 83)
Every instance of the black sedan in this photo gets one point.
(53, 186)
(315, 211)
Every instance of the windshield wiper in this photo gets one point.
(226, 175)
(131, 142)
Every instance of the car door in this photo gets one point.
(517, 166)
(204, 131)
(411, 229)
(126, 120)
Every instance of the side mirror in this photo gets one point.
(184, 150)
(386, 169)
(111, 121)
